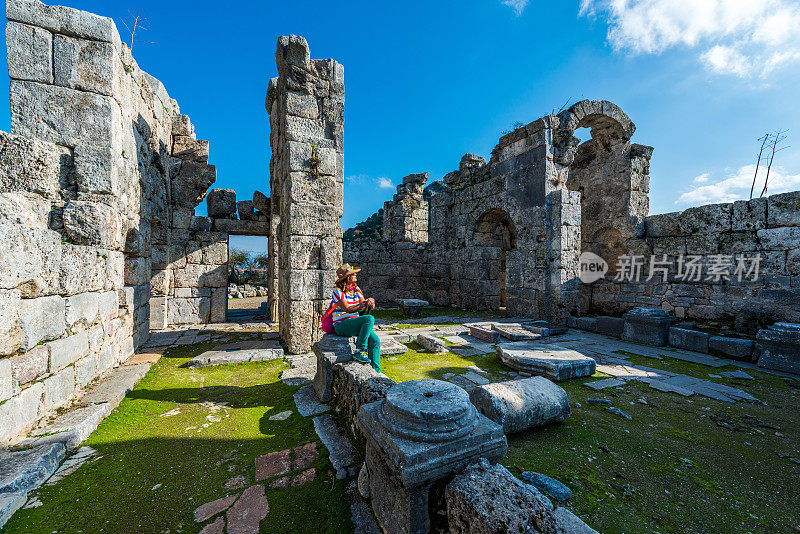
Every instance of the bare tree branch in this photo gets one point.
(763, 140)
(136, 23)
(777, 138)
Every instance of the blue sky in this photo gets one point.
(427, 82)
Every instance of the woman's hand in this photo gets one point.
(370, 302)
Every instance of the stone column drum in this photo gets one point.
(422, 432)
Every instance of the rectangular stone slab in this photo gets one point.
(267, 350)
(484, 333)
(551, 360)
(516, 332)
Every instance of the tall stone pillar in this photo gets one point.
(306, 107)
(564, 236)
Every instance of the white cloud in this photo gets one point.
(365, 180)
(726, 60)
(736, 186)
(517, 5)
(738, 37)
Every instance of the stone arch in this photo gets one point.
(494, 234)
(494, 227)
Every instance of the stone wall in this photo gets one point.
(306, 107)
(507, 233)
(767, 226)
(98, 183)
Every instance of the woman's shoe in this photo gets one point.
(361, 357)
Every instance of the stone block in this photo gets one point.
(42, 319)
(200, 275)
(64, 20)
(783, 238)
(58, 389)
(740, 349)
(190, 184)
(221, 203)
(158, 313)
(81, 308)
(20, 411)
(93, 223)
(550, 360)
(518, 405)
(330, 350)
(485, 496)
(188, 148)
(11, 334)
(96, 169)
(749, 215)
(8, 384)
(27, 469)
(86, 65)
(649, 326)
(85, 370)
(216, 253)
(28, 366)
(29, 53)
(663, 225)
(66, 350)
(431, 343)
(780, 347)
(586, 323)
(261, 202)
(610, 326)
(783, 210)
(32, 166)
(412, 307)
(189, 310)
(484, 332)
(683, 338)
(64, 115)
(245, 209)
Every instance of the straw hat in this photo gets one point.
(344, 271)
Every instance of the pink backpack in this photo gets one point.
(327, 319)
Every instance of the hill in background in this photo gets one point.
(371, 229)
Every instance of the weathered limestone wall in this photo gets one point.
(98, 182)
(766, 226)
(306, 107)
(508, 232)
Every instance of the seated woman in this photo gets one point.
(346, 319)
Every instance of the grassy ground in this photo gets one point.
(418, 364)
(682, 465)
(157, 468)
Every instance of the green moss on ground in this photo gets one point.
(156, 468)
(682, 465)
(416, 363)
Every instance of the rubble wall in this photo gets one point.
(769, 227)
(492, 229)
(98, 181)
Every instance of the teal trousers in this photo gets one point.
(367, 339)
